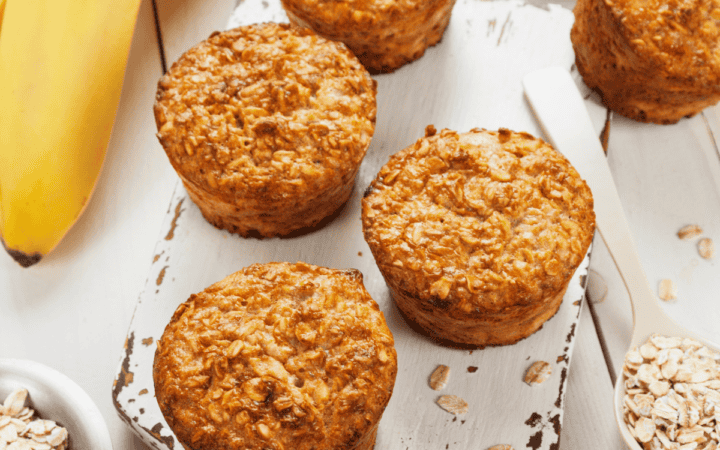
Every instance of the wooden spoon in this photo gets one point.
(560, 109)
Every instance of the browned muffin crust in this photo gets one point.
(652, 61)
(277, 356)
(267, 126)
(478, 234)
(383, 34)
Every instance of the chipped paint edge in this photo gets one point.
(553, 419)
(124, 376)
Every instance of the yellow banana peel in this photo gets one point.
(62, 64)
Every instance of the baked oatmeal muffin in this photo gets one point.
(277, 356)
(652, 61)
(478, 234)
(266, 125)
(384, 34)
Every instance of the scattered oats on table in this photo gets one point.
(667, 290)
(706, 248)
(453, 404)
(672, 399)
(689, 232)
(537, 373)
(20, 431)
(439, 377)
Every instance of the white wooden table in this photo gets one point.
(72, 310)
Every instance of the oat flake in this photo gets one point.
(706, 248)
(537, 373)
(453, 404)
(689, 232)
(439, 377)
(667, 290)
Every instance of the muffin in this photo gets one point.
(653, 61)
(277, 356)
(383, 34)
(478, 234)
(266, 125)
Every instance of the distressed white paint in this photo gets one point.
(471, 79)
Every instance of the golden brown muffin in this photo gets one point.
(478, 234)
(653, 61)
(384, 34)
(266, 125)
(277, 356)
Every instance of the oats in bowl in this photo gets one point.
(44, 409)
(672, 398)
(20, 428)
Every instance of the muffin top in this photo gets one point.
(683, 36)
(276, 356)
(265, 108)
(478, 222)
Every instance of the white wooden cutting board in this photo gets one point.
(471, 79)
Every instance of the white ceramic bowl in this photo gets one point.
(56, 397)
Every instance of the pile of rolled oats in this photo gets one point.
(20, 430)
(673, 394)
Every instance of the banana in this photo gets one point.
(62, 64)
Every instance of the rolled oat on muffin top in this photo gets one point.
(266, 125)
(478, 234)
(277, 356)
(383, 34)
(652, 61)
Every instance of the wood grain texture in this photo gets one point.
(589, 423)
(667, 178)
(184, 23)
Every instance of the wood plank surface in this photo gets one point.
(667, 177)
(182, 29)
(589, 422)
(184, 23)
(72, 311)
